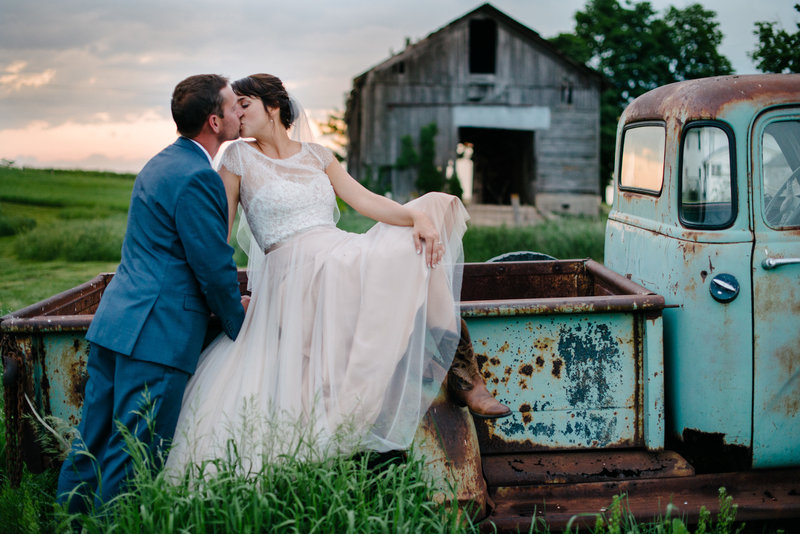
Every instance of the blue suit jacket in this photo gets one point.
(176, 264)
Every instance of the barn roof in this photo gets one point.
(491, 11)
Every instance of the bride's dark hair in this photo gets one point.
(270, 90)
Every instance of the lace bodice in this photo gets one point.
(282, 196)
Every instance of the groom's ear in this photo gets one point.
(214, 122)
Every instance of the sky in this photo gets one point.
(86, 83)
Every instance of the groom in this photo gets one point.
(176, 267)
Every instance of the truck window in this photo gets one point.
(780, 149)
(707, 180)
(642, 163)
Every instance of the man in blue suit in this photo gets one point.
(176, 268)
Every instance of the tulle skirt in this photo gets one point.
(335, 350)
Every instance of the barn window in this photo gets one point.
(566, 92)
(482, 46)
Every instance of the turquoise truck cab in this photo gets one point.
(706, 213)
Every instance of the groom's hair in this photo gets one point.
(194, 100)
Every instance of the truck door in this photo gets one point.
(776, 288)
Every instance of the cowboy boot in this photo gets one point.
(466, 386)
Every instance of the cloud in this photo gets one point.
(14, 79)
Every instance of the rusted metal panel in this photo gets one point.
(564, 343)
(776, 294)
(63, 373)
(571, 380)
(708, 359)
(582, 466)
(446, 439)
(759, 495)
(80, 300)
(709, 98)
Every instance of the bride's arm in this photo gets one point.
(231, 182)
(386, 210)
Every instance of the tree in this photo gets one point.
(695, 37)
(636, 51)
(777, 50)
(430, 177)
(335, 130)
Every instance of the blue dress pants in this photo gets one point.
(99, 462)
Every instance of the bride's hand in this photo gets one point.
(425, 232)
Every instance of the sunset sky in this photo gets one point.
(86, 84)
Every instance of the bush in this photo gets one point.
(10, 225)
(73, 240)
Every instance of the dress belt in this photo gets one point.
(281, 243)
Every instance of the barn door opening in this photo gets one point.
(503, 164)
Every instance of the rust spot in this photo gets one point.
(703, 275)
(557, 368)
(526, 369)
(507, 371)
(523, 384)
(481, 359)
(495, 361)
(504, 347)
(77, 380)
(540, 361)
(495, 380)
(786, 398)
(526, 418)
(541, 345)
(487, 374)
(525, 408)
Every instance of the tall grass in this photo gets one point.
(303, 490)
(563, 238)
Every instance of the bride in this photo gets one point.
(342, 329)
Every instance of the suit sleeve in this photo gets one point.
(201, 219)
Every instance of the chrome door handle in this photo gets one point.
(772, 263)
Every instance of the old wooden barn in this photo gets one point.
(529, 116)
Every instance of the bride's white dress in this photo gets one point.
(339, 332)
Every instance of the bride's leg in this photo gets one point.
(465, 384)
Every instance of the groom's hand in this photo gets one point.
(245, 302)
